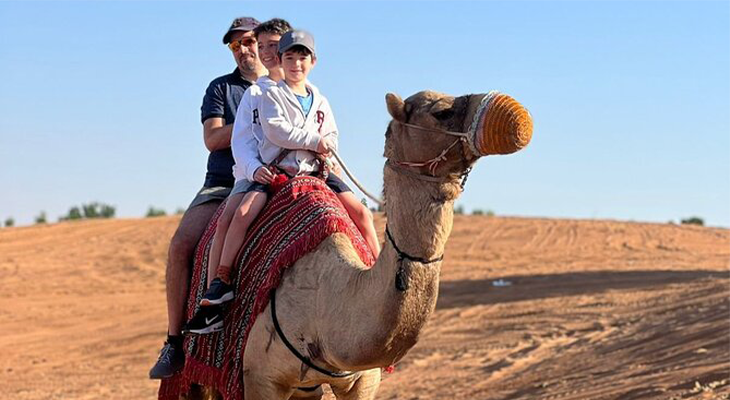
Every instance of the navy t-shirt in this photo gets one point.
(221, 101)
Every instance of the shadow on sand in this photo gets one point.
(453, 294)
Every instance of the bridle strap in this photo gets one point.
(306, 360)
(433, 163)
(452, 133)
(405, 171)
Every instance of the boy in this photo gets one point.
(298, 120)
(248, 196)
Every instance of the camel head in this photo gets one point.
(438, 136)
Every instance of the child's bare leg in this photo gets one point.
(363, 219)
(249, 208)
(220, 234)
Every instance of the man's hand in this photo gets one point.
(325, 145)
(263, 175)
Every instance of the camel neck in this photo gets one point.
(419, 217)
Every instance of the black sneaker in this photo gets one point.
(206, 320)
(219, 292)
(172, 360)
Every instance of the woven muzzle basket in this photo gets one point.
(504, 125)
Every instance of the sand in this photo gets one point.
(587, 310)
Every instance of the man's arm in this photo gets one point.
(216, 135)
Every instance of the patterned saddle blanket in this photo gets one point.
(297, 218)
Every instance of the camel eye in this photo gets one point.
(444, 114)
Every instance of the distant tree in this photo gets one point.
(89, 211)
(180, 211)
(155, 212)
(488, 213)
(459, 210)
(693, 221)
(41, 218)
(9, 222)
(107, 211)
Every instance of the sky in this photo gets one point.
(100, 101)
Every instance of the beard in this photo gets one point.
(247, 63)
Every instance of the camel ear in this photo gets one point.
(396, 107)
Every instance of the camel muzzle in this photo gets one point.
(501, 125)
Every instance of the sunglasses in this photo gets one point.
(236, 44)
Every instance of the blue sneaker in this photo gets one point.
(171, 360)
(219, 292)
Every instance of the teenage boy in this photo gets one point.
(248, 196)
(218, 112)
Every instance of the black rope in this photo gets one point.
(291, 348)
(402, 255)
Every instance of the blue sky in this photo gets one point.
(100, 101)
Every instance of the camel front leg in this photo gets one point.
(364, 388)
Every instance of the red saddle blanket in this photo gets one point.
(294, 222)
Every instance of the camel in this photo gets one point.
(352, 321)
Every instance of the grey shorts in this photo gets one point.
(244, 186)
(207, 194)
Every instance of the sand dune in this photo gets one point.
(595, 310)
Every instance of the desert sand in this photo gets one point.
(587, 310)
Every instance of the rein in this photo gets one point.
(306, 360)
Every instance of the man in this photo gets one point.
(217, 114)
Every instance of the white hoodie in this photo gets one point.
(286, 127)
(247, 133)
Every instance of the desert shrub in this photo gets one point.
(41, 218)
(9, 222)
(155, 212)
(180, 211)
(693, 221)
(73, 213)
(459, 210)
